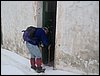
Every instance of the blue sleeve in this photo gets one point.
(44, 39)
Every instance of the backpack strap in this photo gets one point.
(23, 32)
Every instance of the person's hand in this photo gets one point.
(42, 45)
(49, 47)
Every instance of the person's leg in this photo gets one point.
(32, 59)
(35, 51)
(38, 55)
(38, 59)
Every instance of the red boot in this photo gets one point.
(39, 62)
(32, 62)
(39, 67)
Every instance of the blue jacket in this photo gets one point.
(39, 36)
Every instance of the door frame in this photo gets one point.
(43, 24)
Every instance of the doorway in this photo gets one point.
(49, 21)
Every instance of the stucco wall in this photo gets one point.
(16, 16)
(77, 36)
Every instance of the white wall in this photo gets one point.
(77, 31)
(16, 16)
(77, 35)
(37, 8)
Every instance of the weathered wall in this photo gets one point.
(16, 16)
(77, 36)
(37, 10)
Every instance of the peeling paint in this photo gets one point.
(15, 17)
(78, 35)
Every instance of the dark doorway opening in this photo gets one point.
(49, 20)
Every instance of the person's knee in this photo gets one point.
(39, 56)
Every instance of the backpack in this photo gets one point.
(28, 33)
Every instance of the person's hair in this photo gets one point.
(31, 31)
